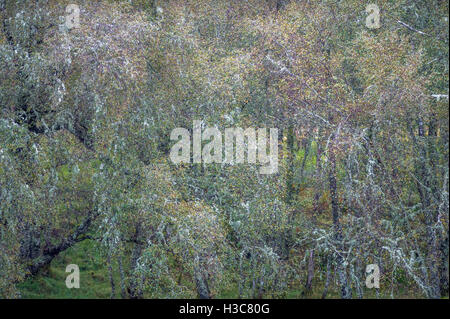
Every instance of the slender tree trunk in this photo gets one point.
(305, 157)
(290, 189)
(290, 166)
(261, 287)
(443, 269)
(432, 259)
(327, 279)
(310, 276)
(123, 293)
(134, 288)
(441, 245)
(345, 289)
(201, 281)
(111, 276)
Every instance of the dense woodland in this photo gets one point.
(85, 175)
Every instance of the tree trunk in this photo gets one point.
(111, 277)
(123, 293)
(432, 259)
(134, 289)
(310, 276)
(327, 280)
(50, 253)
(201, 281)
(345, 289)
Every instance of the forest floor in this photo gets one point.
(95, 282)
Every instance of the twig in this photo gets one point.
(411, 28)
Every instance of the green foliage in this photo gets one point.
(85, 174)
